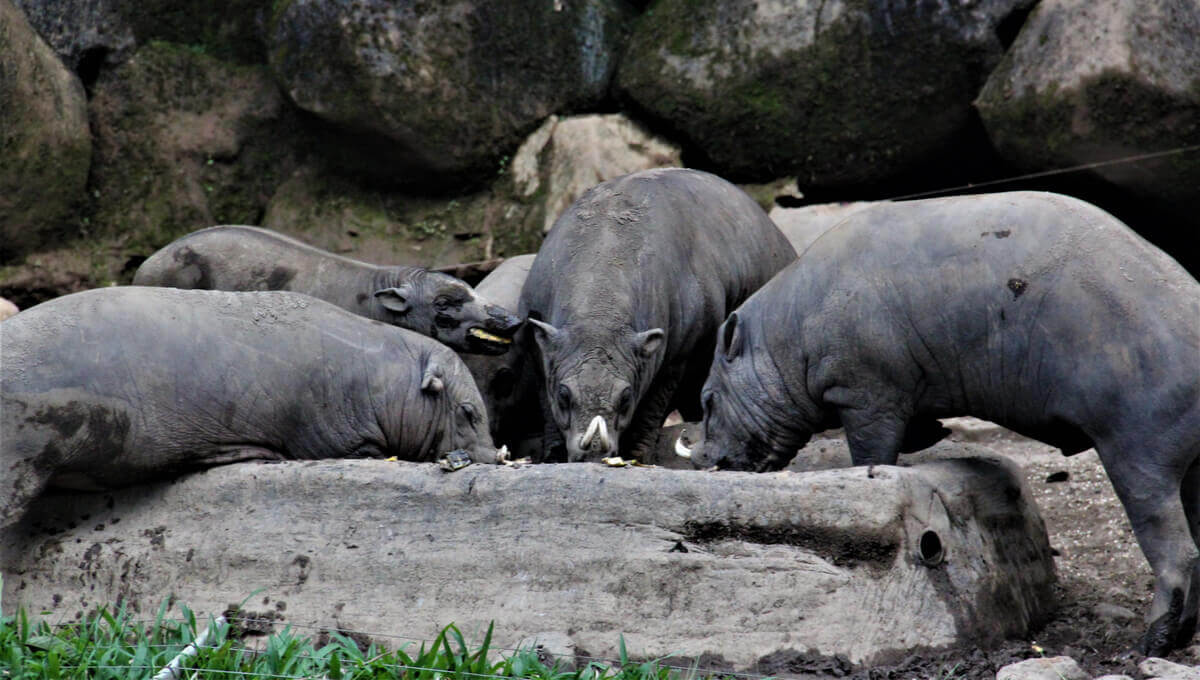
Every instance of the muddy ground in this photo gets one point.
(1103, 580)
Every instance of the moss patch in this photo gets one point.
(226, 29)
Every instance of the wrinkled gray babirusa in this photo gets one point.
(250, 258)
(507, 381)
(1033, 310)
(115, 386)
(625, 296)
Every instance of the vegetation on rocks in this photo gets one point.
(226, 29)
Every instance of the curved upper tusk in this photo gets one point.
(596, 425)
(605, 442)
(681, 450)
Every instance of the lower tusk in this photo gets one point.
(594, 426)
(605, 442)
(681, 450)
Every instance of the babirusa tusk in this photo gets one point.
(586, 440)
(605, 442)
(681, 450)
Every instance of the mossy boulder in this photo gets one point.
(1127, 85)
(84, 33)
(186, 141)
(45, 147)
(427, 91)
(837, 92)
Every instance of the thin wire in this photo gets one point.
(1048, 173)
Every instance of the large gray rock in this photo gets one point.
(1155, 667)
(445, 87)
(1043, 668)
(855, 561)
(1129, 84)
(837, 91)
(45, 146)
(82, 29)
(567, 156)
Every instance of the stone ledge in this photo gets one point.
(854, 561)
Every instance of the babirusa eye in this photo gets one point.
(625, 400)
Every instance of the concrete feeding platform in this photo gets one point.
(859, 562)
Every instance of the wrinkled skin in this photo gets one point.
(250, 258)
(506, 381)
(1036, 311)
(624, 298)
(115, 386)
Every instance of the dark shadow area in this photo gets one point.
(90, 63)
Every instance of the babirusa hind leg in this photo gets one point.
(1151, 493)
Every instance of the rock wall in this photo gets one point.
(349, 124)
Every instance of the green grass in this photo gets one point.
(114, 645)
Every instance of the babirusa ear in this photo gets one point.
(731, 337)
(431, 381)
(649, 342)
(395, 299)
(544, 333)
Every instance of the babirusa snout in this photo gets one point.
(596, 430)
(500, 319)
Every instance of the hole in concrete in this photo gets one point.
(931, 548)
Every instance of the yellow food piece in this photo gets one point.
(484, 335)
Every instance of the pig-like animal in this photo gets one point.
(114, 386)
(1036, 311)
(243, 258)
(626, 294)
(506, 381)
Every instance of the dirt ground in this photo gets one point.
(1104, 589)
